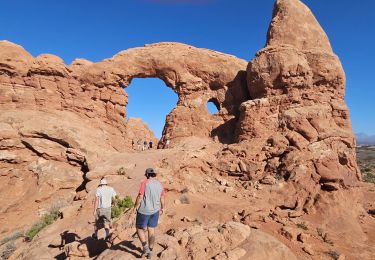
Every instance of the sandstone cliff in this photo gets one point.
(281, 142)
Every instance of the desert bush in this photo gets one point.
(369, 177)
(333, 254)
(120, 205)
(8, 250)
(185, 199)
(47, 219)
(11, 237)
(121, 171)
(302, 226)
(324, 236)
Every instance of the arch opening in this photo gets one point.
(213, 106)
(150, 100)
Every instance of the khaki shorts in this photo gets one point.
(103, 216)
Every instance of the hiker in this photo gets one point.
(139, 142)
(150, 145)
(133, 143)
(105, 195)
(149, 204)
(144, 145)
(166, 144)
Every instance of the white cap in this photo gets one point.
(103, 182)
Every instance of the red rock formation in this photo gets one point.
(137, 130)
(283, 121)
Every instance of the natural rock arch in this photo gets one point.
(196, 75)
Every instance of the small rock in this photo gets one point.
(289, 233)
(185, 199)
(235, 218)
(228, 189)
(229, 184)
(242, 213)
(187, 219)
(222, 188)
(330, 186)
(308, 249)
(303, 237)
(268, 180)
(236, 253)
(233, 168)
(295, 214)
(177, 202)
(341, 257)
(243, 166)
(254, 225)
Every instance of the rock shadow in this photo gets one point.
(94, 247)
(129, 247)
(237, 94)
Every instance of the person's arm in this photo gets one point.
(96, 204)
(140, 195)
(162, 202)
(138, 201)
(113, 197)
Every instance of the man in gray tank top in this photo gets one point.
(149, 204)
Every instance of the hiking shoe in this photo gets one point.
(149, 255)
(94, 236)
(146, 251)
(108, 238)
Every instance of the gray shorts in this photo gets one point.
(103, 216)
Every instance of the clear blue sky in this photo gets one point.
(95, 30)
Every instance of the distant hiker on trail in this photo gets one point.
(166, 144)
(144, 145)
(102, 208)
(139, 143)
(149, 204)
(133, 144)
(150, 145)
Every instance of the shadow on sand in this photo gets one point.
(95, 246)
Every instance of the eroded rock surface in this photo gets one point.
(282, 138)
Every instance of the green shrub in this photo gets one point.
(8, 251)
(120, 205)
(121, 171)
(47, 219)
(11, 237)
(369, 177)
(184, 198)
(333, 254)
(303, 226)
(320, 232)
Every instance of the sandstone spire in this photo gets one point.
(293, 23)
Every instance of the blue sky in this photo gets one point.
(95, 30)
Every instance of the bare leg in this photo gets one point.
(151, 237)
(107, 228)
(142, 237)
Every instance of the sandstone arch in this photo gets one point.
(196, 75)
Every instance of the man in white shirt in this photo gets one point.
(102, 208)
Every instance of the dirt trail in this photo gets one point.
(142, 160)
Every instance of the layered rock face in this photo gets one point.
(282, 117)
(59, 121)
(296, 125)
(138, 132)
